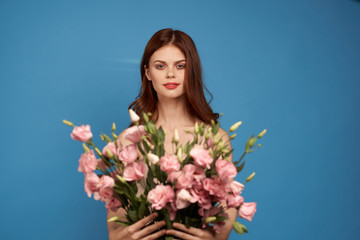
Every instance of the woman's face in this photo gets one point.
(166, 71)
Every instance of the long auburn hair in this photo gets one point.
(197, 106)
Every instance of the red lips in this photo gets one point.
(171, 85)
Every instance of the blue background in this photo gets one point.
(289, 66)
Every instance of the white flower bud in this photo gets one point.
(235, 126)
(133, 116)
(262, 133)
(176, 137)
(154, 159)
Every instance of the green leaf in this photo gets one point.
(187, 148)
(220, 219)
(122, 223)
(142, 209)
(229, 153)
(152, 128)
(146, 117)
(161, 136)
(133, 215)
(146, 146)
(239, 168)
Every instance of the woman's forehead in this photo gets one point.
(168, 53)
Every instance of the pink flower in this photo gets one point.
(160, 196)
(113, 204)
(236, 187)
(109, 147)
(225, 169)
(216, 188)
(101, 164)
(201, 157)
(202, 197)
(183, 199)
(186, 179)
(82, 133)
(129, 153)
(134, 133)
(234, 200)
(172, 211)
(169, 163)
(106, 185)
(247, 210)
(91, 183)
(87, 162)
(135, 171)
(199, 174)
(172, 176)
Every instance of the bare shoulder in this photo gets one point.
(224, 135)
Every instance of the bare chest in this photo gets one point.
(184, 138)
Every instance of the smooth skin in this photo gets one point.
(168, 64)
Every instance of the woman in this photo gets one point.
(172, 89)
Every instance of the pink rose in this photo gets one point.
(247, 210)
(87, 162)
(201, 157)
(183, 199)
(234, 201)
(135, 171)
(106, 185)
(236, 187)
(82, 133)
(129, 153)
(134, 133)
(91, 183)
(169, 163)
(113, 204)
(160, 196)
(225, 169)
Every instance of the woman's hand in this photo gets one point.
(139, 231)
(190, 233)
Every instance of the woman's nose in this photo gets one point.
(170, 74)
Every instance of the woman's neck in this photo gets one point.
(172, 114)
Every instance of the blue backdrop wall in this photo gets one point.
(289, 66)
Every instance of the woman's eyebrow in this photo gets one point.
(160, 61)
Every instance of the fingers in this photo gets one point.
(181, 235)
(141, 223)
(191, 230)
(155, 235)
(150, 229)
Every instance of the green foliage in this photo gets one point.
(239, 228)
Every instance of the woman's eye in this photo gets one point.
(160, 66)
(180, 66)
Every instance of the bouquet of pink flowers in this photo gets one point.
(194, 185)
